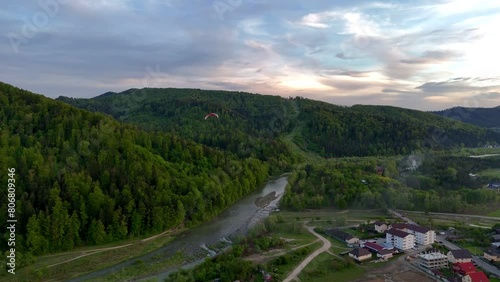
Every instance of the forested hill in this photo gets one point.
(247, 126)
(384, 130)
(484, 117)
(84, 178)
(252, 124)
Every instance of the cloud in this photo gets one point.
(398, 53)
(433, 56)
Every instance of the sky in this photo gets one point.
(425, 55)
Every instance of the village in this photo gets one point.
(419, 247)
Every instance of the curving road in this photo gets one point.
(326, 246)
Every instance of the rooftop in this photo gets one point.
(461, 254)
(479, 277)
(374, 246)
(398, 233)
(339, 234)
(465, 266)
(416, 228)
(359, 252)
(432, 256)
(494, 251)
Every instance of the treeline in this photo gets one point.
(252, 124)
(347, 184)
(335, 131)
(443, 172)
(248, 124)
(83, 178)
(484, 117)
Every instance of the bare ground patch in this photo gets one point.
(264, 201)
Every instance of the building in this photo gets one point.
(380, 226)
(400, 239)
(381, 251)
(492, 254)
(493, 185)
(380, 170)
(385, 254)
(464, 268)
(455, 256)
(342, 236)
(433, 260)
(423, 236)
(495, 238)
(360, 254)
(475, 277)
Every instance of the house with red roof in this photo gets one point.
(464, 268)
(379, 250)
(475, 277)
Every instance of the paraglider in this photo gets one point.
(212, 115)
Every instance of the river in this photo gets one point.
(237, 219)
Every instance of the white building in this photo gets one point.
(433, 260)
(360, 254)
(423, 236)
(400, 239)
(380, 226)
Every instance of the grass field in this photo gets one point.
(293, 259)
(140, 269)
(318, 270)
(494, 213)
(332, 214)
(475, 250)
(41, 270)
(493, 172)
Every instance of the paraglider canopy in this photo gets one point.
(212, 115)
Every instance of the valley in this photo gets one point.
(204, 184)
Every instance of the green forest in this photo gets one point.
(252, 124)
(335, 131)
(440, 184)
(136, 163)
(248, 123)
(83, 178)
(484, 117)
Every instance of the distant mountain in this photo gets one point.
(483, 117)
(262, 126)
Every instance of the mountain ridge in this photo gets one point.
(329, 130)
(483, 117)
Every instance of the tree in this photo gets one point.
(341, 220)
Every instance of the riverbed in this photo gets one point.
(237, 219)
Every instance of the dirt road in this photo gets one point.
(326, 246)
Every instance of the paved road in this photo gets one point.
(449, 245)
(399, 215)
(486, 266)
(326, 246)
